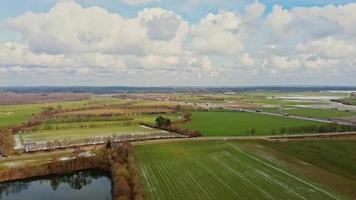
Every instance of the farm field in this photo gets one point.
(219, 170)
(91, 122)
(11, 115)
(315, 113)
(338, 156)
(16, 114)
(331, 162)
(82, 133)
(241, 123)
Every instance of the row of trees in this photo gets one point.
(72, 119)
(327, 128)
(156, 109)
(124, 173)
(62, 144)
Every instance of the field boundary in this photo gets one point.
(270, 137)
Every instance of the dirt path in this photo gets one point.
(346, 135)
(267, 137)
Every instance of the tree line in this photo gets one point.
(325, 128)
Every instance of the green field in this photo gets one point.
(13, 115)
(81, 133)
(240, 123)
(218, 170)
(338, 156)
(330, 162)
(92, 122)
(317, 113)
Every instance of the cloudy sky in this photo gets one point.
(177, 42)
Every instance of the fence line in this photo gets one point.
(62, 144)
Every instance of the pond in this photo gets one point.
(88, 185)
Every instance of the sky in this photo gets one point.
(177, 42)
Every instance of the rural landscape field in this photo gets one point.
(177, 100)
(181, 145)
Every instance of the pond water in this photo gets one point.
(84, 185)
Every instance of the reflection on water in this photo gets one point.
(88, 185)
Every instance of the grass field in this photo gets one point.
(338, 156)
(16, 114)
(330, 162)
(317, 113)
(104, 121)
(80, 133)
(12, 115)
(240, 123)
(218, 170)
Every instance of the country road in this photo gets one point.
(264, 137)
(214, 138)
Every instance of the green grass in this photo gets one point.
(318, 113)
(337, 156)
(218, 170)
(17, 114)
(11, 115)
(81, 133)
(240, 123)
(105, 121)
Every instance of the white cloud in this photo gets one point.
(247, 60)
(284, 63)
(328, 47)
(137, 2)
(92, 42)
(255, 10)
(69, 28)
(278, 20)
(162, 26)
(218, 34)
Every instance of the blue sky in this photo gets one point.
(211, 42)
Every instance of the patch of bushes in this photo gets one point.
(6, 143)
(124, 173)
(165, 124)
